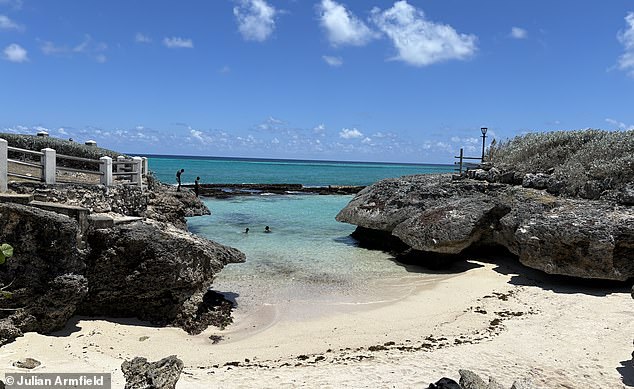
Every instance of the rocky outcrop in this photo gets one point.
(437, 214)
(141, 374)
(44, 275)
(148, 269)
(167, 205)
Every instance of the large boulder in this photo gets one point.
(435, 214)
(149, 270)
(585, 239)
(44, 276)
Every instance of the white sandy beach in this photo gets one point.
(486, 319)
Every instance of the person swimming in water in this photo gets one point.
(246, 231)
(267, 229)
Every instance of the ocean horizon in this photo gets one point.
(228, 170)
(184, 156)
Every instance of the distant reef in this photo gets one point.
(119, 251)
(561, 202)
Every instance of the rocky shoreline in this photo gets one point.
(122, 252)
(230, 190)
(440, 216)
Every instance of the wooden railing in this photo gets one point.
(47, 169)
(462, 164)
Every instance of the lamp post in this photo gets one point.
(484, 137)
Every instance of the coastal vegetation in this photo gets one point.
(6, 251)
(61, 146)
(574, 159)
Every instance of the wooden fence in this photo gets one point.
(463, 165)
(49, 167)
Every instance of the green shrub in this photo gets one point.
(575, 158)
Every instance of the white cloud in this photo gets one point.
(347, 133)
(626, 61)
(197, 135)
(271, 124)
(142, 38)
(15, 53)
(8, 24)
(256, 19)
(518, 33)
(620, 125)
(421, 42)
(320, 130)
(333, 61)
(87, 47)
(342, 27)
(178, 43)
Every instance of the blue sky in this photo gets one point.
(396, 81)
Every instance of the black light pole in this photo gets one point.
(484, 137)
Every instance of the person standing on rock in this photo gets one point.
(178, 179)
(197, 186)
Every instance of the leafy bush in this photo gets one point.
(6, 251)
(578, 159)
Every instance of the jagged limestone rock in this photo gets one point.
(149, 269)
(141, 374)
(558, 235)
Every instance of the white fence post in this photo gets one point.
(120, 165)
(48, 166)
(105, 168)
(146, 166)
(137, 165)
(4, 169)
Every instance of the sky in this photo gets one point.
(373, 80)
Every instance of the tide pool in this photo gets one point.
(308, 256)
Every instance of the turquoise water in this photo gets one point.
(261, 171)
(308, 256)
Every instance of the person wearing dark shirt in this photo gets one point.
(197, 186)
(178, 179)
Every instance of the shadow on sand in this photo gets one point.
(627, 372)
(435, 265)
(525, 276)
(72, 325)
(505, 263)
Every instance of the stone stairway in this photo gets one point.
(84, 217)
